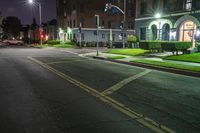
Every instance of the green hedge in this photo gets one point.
(153, 46)
(198, 48)
(53, 42)
(171, 46)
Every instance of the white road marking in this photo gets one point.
(124, 82)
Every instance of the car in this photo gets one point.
(13, 42)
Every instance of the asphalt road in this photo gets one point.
(56, 91)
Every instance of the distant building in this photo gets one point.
(70, 13)
(31, 33)
(50, 30)
(168, 20)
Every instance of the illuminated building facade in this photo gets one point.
(168, 20)
(70, 13)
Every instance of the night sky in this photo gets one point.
(26, 12)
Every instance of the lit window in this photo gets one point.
(188, 5)
(65, 13)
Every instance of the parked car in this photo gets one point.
(13, 42)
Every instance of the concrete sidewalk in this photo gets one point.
(132, 58)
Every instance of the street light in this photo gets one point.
(158, 15)
(40, 15)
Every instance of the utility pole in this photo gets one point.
(124, 24)
(97, 26)
(80, 33)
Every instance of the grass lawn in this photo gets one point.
(130, 52)
(63, 46)
(171, 65)
(42, 46)
(187, 57)
(56, 46)
(116, 57)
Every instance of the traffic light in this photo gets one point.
(41, 36)
(122, 25)
(79, 30)
(108, 7)
(80, 27)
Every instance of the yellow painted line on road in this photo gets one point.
(60, 62)
(124, 82)
(145, 121)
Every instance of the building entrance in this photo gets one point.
(187, 32)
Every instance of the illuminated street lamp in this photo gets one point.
(158, 15)
(40, 15)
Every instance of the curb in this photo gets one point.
(159, 68)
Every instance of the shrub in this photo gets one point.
(153, 46)
(171, 46)
(132, 39)
(53, 42)
(198, 48)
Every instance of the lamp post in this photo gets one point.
(40, 17)
(158, 16)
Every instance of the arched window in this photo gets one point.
(154, 32)
(187, 31)
(165, 32)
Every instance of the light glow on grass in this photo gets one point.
(129, 52)
(187, 57)
(169, 65)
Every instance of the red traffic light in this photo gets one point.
(42, 36)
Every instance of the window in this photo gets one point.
(154, 32)
(82, 36)
(103, 36)
(155, 5)
(188, 5)
(165, 32)
(65, 13)
(109, 24)
(103, 22)
(82, 8)
(130, 25)
(143, 33)
(187, 31)
(143, 7)
(74, 23)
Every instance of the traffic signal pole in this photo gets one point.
(80, 34)
(97, 25)
(124, 25)
(109, 6)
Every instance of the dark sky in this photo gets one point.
(26, 12)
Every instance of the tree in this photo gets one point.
(11, 26)
(33, 28)
(132, 39)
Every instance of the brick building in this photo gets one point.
(71, 12)
(168, 20)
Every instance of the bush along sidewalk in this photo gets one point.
(57, 44)
(170, 46)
